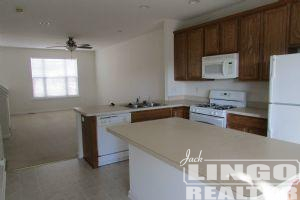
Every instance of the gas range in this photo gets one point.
(214, 112)
(211, 109)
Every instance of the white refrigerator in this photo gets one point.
(284, 103)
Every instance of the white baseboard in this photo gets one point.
(113, 158)
(40, 111)
(131, 196)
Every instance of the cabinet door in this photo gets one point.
(89, 140)
(247, 124)
(275, 36)
(249, 47)
(195, 54)
(180, 56)
(212, 40)
(295, 24)
(181, 112)
(151, 115)
(229, 36)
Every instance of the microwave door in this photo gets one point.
(213, 70)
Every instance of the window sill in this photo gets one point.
(54, 98)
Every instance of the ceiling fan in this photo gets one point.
(72, 46)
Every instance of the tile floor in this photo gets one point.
(69, 180)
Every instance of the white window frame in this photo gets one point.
(44, 78)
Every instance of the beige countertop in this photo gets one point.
(106, 109)
(169, 139)
(250, 112)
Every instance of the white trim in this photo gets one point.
(53, 98)
(112, 158)
(41, 111)
(131, 196)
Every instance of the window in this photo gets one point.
(54, 77)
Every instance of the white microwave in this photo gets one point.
(220, 66)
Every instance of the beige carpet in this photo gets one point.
(41, 138)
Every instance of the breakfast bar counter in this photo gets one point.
(165, 143)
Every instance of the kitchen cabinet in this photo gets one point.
(212, 39)
(89, 140)
(147, 115)
(229, 36)
(256, 35)
(195, 54)
(295, 24)
(249, 49)
(180, 56)
(247, 124)
(275, 36)
(181, 112)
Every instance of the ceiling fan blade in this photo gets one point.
(56, 47)
(85, 47)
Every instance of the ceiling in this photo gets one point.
(98, 22)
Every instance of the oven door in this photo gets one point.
(217, 121)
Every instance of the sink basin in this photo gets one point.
(143, 105)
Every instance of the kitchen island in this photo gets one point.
(157, 148)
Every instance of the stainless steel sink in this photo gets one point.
(143, 105)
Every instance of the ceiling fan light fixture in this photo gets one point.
(19, 10)
(71, 48)
(45, 23)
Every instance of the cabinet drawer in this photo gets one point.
(247, 124)
(151, 115)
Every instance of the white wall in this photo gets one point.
(15, 74)
(256, 91)
(131, 69)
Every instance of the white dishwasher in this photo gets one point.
(110, 148)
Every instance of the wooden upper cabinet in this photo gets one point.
(195, 54)
(212, 39)
(295, 24)
(275, 36)
(249, 47)
(229, 36)
(180, 56)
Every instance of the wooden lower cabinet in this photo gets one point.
(89, 140)
(247, 124)
(181, 112)
(148, 115)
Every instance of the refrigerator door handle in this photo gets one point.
(272, 70)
